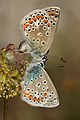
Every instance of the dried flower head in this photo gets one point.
(13, 64)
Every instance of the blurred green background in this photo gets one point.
(66, 44)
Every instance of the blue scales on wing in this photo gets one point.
(38, 90)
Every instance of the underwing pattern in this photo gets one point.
(38, 28)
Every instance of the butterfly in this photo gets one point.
(38, 28)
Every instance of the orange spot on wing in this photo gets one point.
(34, 99)
(38, 99)
(38, 16)
(25, 25)
(30, 21)
(42, 17)
(45, 21)
(26, 94)
(30, 96)
(45, 94)
(42, 98)
(34, 19)
(51, 13)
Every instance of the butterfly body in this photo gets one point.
(38, 28)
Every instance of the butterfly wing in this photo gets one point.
(54, 14)
(38, 28)
(38, 90)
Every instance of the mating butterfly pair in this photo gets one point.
(38, 28)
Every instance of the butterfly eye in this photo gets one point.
(43, 43)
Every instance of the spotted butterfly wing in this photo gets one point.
(54, 14)
(38, 90)
(38, 28)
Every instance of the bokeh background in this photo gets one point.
(66, 44)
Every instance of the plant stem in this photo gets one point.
(5, 109)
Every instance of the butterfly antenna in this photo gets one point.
(61, 59)
(61, 66)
